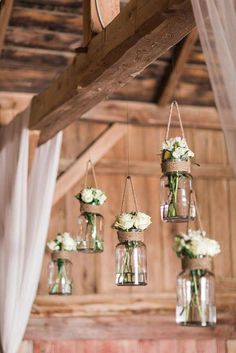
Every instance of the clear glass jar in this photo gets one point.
(131, 263)
(196, 298)
(90, 234)
(60, 275)
(175, 197)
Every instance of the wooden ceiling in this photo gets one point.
(40, 43)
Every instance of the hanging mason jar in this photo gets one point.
(91, 229)
(90, 237)
(60, 274)
(176, 182)
(196, 293)
(131, 257)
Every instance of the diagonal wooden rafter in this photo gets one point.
(143, 31)
(98, 149)
(177, 70)
(5, 13)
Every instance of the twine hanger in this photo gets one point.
(129, 179)
(90, 164)
(198, 216)
(174, 104)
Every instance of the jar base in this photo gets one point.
(89, 250)
(177, 219)
(64, 294)
(129, 284)
(196, 324)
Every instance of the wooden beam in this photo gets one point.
(12, 104)
(127, 317)
(5, 13)
(178, 67)
(98, 149)
(149, 114)
(141, 33)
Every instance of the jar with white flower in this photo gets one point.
(90, 237)
(176, 181)
(196, 282)
(60, 266)
(131, 259)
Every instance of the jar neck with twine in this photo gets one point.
(129, 235)
(170, 166)
(60, 255)
(199, 263)
(84, 207)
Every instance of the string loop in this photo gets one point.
(128, 178)
(174, 104)
(90, 164)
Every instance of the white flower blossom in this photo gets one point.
(124, 221)
(177, 149)
(138, 221)
(195, 244)
(62, 242)
(142, 221)
(92, 196)
(87, 195)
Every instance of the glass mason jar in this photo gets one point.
(196, 295)
(60, 274)
(91, 230)
(131, 263)
(175, 197)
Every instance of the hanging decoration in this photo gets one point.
(60, 267)
(131, 261)
(196, 283)
(90, 221)
(176, 181)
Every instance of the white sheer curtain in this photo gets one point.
(25, 205)
(216, 22)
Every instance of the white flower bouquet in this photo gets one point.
(195, 285)
(62, 242)
(131, 261)
(176, 149)
(132, 221)
(195, 244)
(175, 153)
(90, 199)
(59, 271)
(91, 196)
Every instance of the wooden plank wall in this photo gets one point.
(131, 346)
(216, 195)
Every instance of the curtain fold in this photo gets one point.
(216, 23)
(25, 207)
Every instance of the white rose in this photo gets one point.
(52, 245)
(181, 142)
(68, 242)
(125, 221)
(59, 238)
(190, 154)
(142, 221)
(100, 196)
(87, 195)
(178, 152)
(168, 145)
(213, 247)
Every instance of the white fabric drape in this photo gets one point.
(25, 205)
(216, 22)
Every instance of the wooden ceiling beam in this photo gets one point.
(149, 114)
(97, 149)
(5, 13)
(178, 67)
(141, 33)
